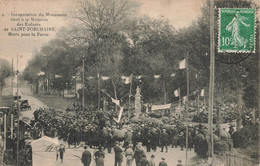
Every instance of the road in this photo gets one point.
(26, 94)
(71, 157)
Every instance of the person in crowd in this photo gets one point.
(179, 163)
(118, 154)
(57, 152)
(99, 156)
(144, 161)
(128, 137)
(163, 163)
(164, 140)
(86, 156)
(129, 154)
(138, 154)
(62, 151)
(181, 138)
(151, 161)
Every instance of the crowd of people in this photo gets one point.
(99, 130)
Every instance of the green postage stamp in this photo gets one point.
(236, 30)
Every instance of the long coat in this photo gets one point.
(86, 157)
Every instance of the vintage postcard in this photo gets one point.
(129, 82)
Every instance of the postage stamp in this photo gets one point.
(236, 30)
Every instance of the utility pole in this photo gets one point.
(211, 82)
(187, 106)
(12, 84)
(83, 85)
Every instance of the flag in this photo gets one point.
(184, 99)
(90, 78)
(104, 78)
(176, 93)
(41, 73)
(120, 115)
(57, 76)
(117, 102)
(173, 74)
(161, 107)
(182, 64)
(202, 92)
(156, 76)
(127, 80)
(138, 77)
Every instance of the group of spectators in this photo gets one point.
(99, 130)
(96, 128)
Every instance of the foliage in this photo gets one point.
(247, 136)
(114, 41)
(5, 71)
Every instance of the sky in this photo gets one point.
(180, 13)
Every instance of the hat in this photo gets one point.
(163, 158)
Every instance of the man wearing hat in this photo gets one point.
(138, 154)
(129, 154)
(179, 163)
(118, 154)
(164, 140)
(163, 163)
(86, 157)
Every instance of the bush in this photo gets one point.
(246, 136)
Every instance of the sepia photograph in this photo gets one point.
(129, 82)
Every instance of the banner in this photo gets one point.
(182, 64)
(202, 92)
(104, 78)
(156, 76)
(161, 107)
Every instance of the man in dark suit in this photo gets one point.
(86, 157)
(164, 140)
(118, 154)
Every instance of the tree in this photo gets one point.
(5, 72)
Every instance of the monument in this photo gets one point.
(138, 101)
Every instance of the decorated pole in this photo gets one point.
(18, 120)
(211, 81)
(98, 83)
(83, 84)
(187, 107)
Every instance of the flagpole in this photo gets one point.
(211, 83)
(188, 89)
(198, 87)
(98, 90)
(83, 85)
(18, 123)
